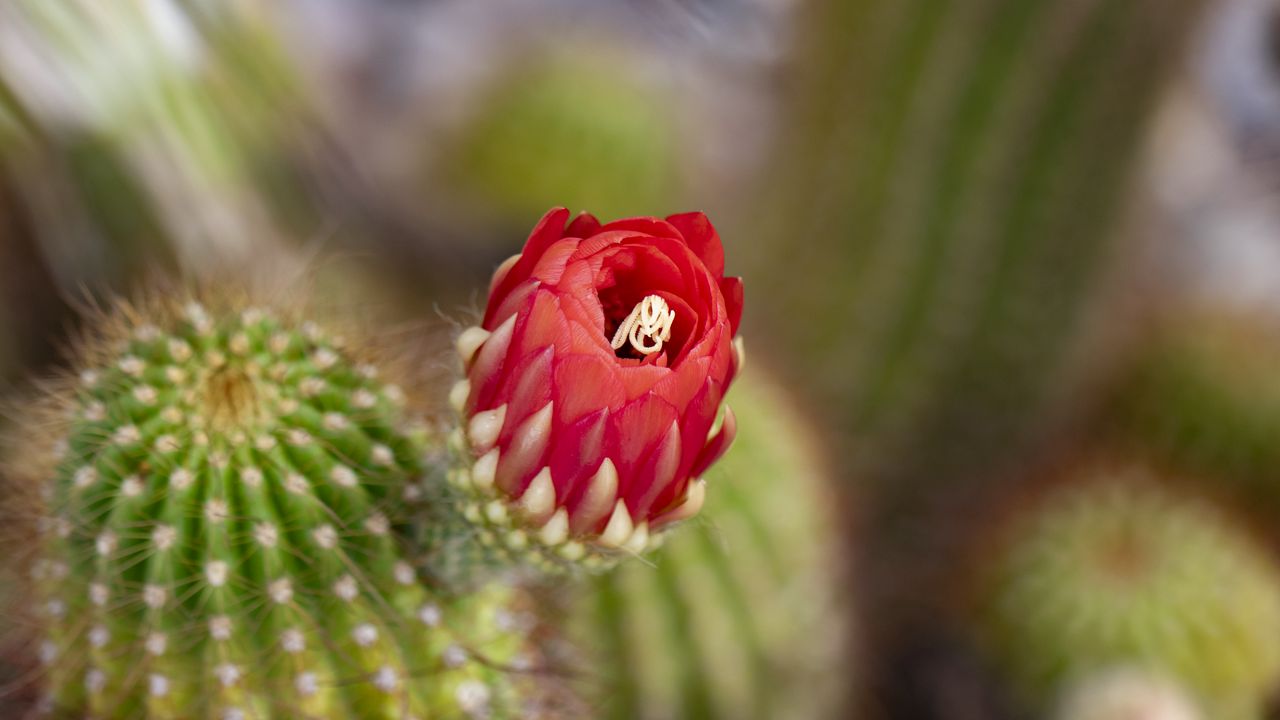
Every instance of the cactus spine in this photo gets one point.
(220, 536)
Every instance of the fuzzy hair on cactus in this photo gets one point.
(593, 387)
(1120, 572)
(219, 534)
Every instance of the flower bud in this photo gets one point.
(591, 403)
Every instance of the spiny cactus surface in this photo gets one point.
(220, 537)
(1122, 573)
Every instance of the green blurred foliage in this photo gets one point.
(581, 129)
(1202, 393)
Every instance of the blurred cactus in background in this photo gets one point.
(953, 185)
(139, 142)
(1118, 572)
(583, 129)
(1203, 394)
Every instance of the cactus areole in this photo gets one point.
(594, 384)
(221, 536)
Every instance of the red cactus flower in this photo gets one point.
(594, 382)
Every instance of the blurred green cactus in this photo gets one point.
(1204, 395)
(736, 616)
(221, 498)
(1120, 572)
(583, 130)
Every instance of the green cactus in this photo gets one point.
(1119, 572)
(220, 537)
(736, 615)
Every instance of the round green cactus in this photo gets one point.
(1119, 572)
(220, 536)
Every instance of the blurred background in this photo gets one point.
(1011, 424)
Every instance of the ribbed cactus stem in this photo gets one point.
(221, 537)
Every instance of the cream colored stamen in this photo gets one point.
(647, 327)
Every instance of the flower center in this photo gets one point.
(647, 327)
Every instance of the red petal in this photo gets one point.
(731, 288)
(523, 451)
(717, 445)
(639, 379)
(644, 225)
(551, 265)
(548, 230)
(512, 303)
(583, 226)
(634, 431)
(543, 324)
(503, 270)
(658, 474)
(527, 389)
(702, 238)
(681, 385)
(585, 384)
(576, 454)
(697, 420)
(601, 240)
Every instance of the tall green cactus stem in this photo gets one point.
(1119, 572)
(958, 172)
(221, 536)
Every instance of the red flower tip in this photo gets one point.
(595, 379)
